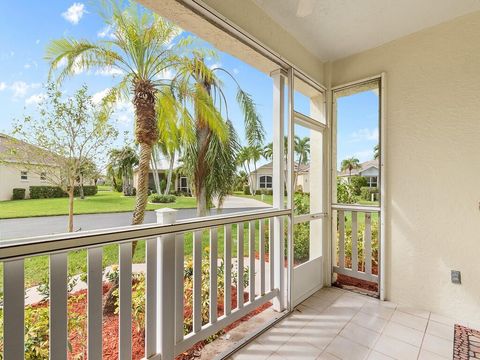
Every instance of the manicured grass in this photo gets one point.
(268, 199)
(105, 201)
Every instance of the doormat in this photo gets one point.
(466, 345)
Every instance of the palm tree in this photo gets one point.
(141, 51)
(376, 152)
(350, 164)
(244, 158)
(210, 159)
(302, 149)
(255, 155)
(268, 151)
(121, 163)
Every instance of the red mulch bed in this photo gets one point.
(78, 341)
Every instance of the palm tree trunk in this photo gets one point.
(201, 171)
(142, 186)
(170, 173)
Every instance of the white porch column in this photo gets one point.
(166, 287)
(278, 184)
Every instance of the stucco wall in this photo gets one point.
(433, 141)
(10, 179)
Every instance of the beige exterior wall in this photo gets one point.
(433, 137)
(10, 179)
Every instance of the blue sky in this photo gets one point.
(23, 71)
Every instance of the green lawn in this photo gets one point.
(268, 199)
(104, 202)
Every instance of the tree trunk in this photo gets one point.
(70, 208)
(201, 171)
(82, 194)
(170, 173)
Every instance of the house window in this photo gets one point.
(265, 182)
(183, 183)
(372, 181)
(23, 175)
(43, 176)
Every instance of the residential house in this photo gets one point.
(180, 182)
(368, 169)
(262, 178)
(13, 172)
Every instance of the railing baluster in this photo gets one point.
(354, 242)
(251, 256)
(58, 306)
(367, 248)
(151, 297)
(197, 281)
(261, 248)
(271, 253)
(341, 239)
(227, 305)
(125, 299)
(94, 303)
(213, 274)
(13, 309)
(179, 265)
(240, 265)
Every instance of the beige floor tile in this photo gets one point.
(327, 356)
(346, 349)
(438, 345)
(427, 355)
(317, 303)
(415, 322)
(275, 356)
(441, 330)
(443, 319)
(318, 337)
(253, 351)
(371, 322)
(359, 334)
(274, 338)
(404, 333)
(396, 349)
(378, 309)
(413, 311)
(294, 349)
(374, 355)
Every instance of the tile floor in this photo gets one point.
(335, 324)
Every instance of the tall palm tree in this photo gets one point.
(302, 149)
(244, 158)
(141, 51)
(255, 155)
(350, 164)
(376, 152)
(210, 159)
(122, 161)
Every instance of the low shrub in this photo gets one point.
(267, 192)
(157, 198)
(50, 192)
(258, 192)
(345, 193)
(358, 182)
(246, 190)
(118, 187)
(367, 192)
(46, 192)
(18, 194)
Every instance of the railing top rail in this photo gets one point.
(11, 249)
(359, 208)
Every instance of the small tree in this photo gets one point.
(66, 135)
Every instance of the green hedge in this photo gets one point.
(366, 193)
(50, 192)
(156, 198)
(18, 194)
(246, 190)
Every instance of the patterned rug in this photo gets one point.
(466, 344)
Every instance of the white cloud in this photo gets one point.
(236, 71)
(35, 99)
(364, 135)
(166, 74)
(363, 155)
(37, 42)
(20, 88)
(3, 86)
(74, 13)
(215, 65)
(98, 97)
(109, 71)
(107, 31)
(30, 65)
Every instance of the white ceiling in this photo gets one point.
(333, 29)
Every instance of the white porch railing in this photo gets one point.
(164, 295)
(357, 253)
